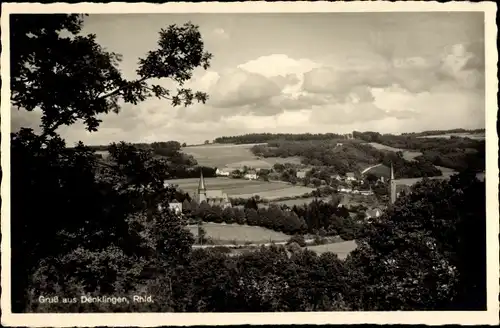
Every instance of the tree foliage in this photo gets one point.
(439, 231)
(78, 203)
(352, 156)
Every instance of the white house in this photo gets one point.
(251, 175)
(350, 176)
(373, 213)
(301, 174)
(344, 189)
(175, 207)
(366, 192)
(222, 172)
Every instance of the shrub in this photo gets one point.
(299, 239)
(318, 240)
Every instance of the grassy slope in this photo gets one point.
(233, 156)
(407, 154)
(226, 233)
(342, 249)
(244, 188)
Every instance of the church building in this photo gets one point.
(399, 187)
(212, 197)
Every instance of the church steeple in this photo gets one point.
(393, 186)
(201, 194)
(201, 183)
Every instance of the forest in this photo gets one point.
(97, 227)
(267, 137)
(351, 157)
(457, 153)
(441, 132)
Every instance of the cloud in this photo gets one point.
(238, 87)
(21, 118)
(347, 113)
(278, 65)
(280, 93)
(220, 33)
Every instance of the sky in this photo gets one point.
(297, 73)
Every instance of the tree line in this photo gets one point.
(439, 132)
(267, 137)
(102, 227)
(317, 217)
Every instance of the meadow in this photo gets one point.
(233, 156)
(342, 249)
(243, 188)
(240, 234)
(476, 136)
(293, 202)
(407, 154)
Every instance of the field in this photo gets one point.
(228, 233)
(477, 136)
(446, 170)
(292, 202)
(342, 249)
(233, 156)
(407, 154)
(243, 188)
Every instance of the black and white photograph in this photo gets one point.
(198, 159)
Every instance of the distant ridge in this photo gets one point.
(266, 137)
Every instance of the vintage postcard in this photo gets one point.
(226, 163)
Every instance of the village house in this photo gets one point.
(222, 172)
(301, 174)
(175, 207)
(349, 176)
(373, 213)
(345, 189)
(336, 177)
(251, 175)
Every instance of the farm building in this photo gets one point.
(350, 176)
(212, 197)
(251, 175)
(222, 172)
